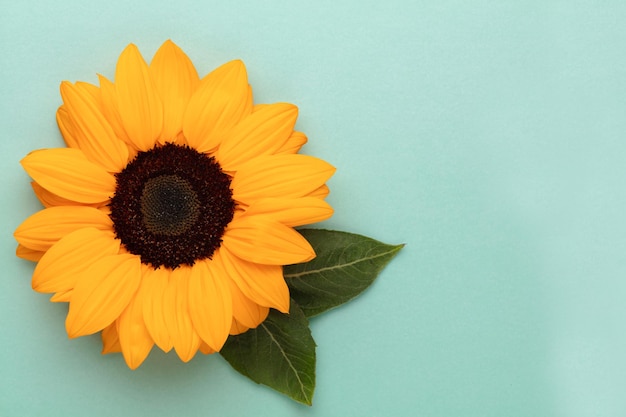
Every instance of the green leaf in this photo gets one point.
(345, 265)
(280, 353)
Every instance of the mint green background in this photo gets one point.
(490, 136)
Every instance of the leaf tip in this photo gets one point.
(398, 248)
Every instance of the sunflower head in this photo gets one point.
(171, 212)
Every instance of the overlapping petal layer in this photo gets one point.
(222, 99)
(179, 325)
(61, 267)
(154, 307)
(134, 338)
(279, 176)
(138, 101)
(70, 175)
(262, 133)
(102, 293)
(210, 303)
(175, 79)
(44, 228)
(92, 132)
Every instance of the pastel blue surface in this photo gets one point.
(490, 136)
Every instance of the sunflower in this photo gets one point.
(171, 212)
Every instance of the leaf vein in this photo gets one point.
(345, 265)
(284, 354)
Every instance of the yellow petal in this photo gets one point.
(93, 133)
(185, 338)
(110, 109)
(210, 304)
(279, 176)
(222, 99)
(155, 308)
(28, 254)
(134, 337)
(67, 173)
(110, 339)
(237, 328)
(206, 349)
(321, 192)
(44, 228)
(65, 263)
(261, 133)
(67, 128)
(175, 79)
(263, 284)
(61, 297)
(48, 199)
(292, 211)
(246, 311)
(258, 107)
(102, 294)
(106, 210)
(262, 240)
(140, 107)
(92, 90)
(293, 144)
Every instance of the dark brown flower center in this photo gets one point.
(171, 206)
